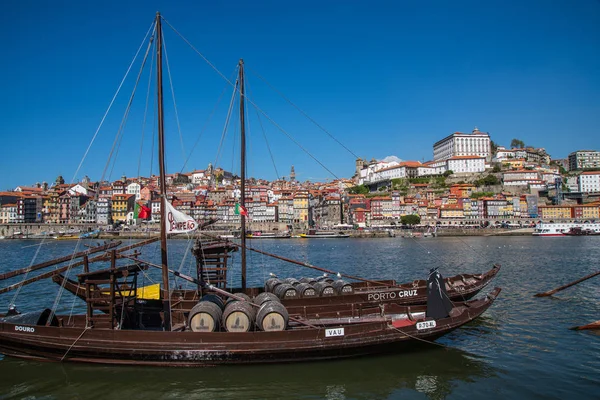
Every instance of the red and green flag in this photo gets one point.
(141, 211)
(144, 212)
(240, 210)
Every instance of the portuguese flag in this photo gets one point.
(240, 210)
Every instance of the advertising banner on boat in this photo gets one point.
(178, 222)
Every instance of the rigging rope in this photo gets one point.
(62, 286)
(151, 29)
(265, 137)
(145, 117)
(173, 96)
(206, 124)
(226, 126)
(252, 102)
(303, 113)
(14, 298)
(119, 136)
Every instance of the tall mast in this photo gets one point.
(243, 171)
(163, 182)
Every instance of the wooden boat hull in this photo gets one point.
(459, 288)
(376, 335)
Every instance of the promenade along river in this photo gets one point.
(520, 349)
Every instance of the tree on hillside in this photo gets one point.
(410, 219)
(493, 147)
(517, 144)
(359, 189)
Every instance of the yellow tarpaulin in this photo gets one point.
(150, 292)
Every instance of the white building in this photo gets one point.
(462, 164)
(134, 188)
(366, 175)
(405, 169)
(583, 159)
(198, 177)
(589, 182)
(8, 214)
(79, 189)
(503, 154)
(463, 144)
(573, 183)
(522, 178)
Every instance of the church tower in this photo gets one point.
(292, 175)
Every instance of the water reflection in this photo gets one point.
(432, 371)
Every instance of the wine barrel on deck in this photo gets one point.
(238, 316)
(271, 284)
(306, 290)
(272, 316)
(264, 297)
(324, 289)
(291, 281)
(205, 317)
(286, 291)
(244, 296)
(213, 298)
(310, 281)
(342, 287)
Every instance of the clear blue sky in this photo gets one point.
(384, 77)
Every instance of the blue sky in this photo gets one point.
(384, 77)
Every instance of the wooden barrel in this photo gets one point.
(326, 279)
(324, 289)
(271, 284)
(264, 297)
(213, 298)
(342, 287)
(286, 291)
(272, 316)
(244, 296)
(310, 281)
(205, 317)
(306, 290)
(292, 281)
(238, 316)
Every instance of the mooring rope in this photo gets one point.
(76, 340)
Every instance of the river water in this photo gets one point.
(520, 349)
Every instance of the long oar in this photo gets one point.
(35, 267)
(551, 292)
(593, 325)
(77, 264)
(305, 264)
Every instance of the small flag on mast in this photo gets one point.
(144, 212)
(240, 210)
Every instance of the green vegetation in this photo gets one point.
(493, 146)
(448, 173)
(375, 194)
(498, 169)
(517, 144)
(410, 219)
(359, 189)
(487, 181)
(418, 180)
(478, 195)
(440, 182)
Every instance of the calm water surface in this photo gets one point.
(520, 349)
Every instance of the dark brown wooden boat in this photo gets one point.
(118, 327)
(344, 334)
(459, 288)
